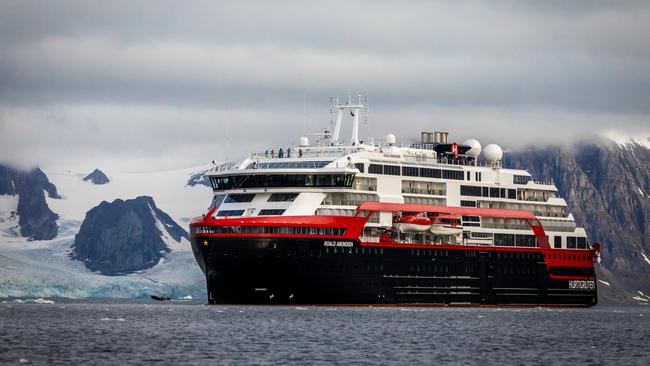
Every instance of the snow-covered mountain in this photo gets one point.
(45, 267)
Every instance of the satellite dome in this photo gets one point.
(304, 141)
(493, 153)
(390, 139)
(475, 148)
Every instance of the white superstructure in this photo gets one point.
(333, 176)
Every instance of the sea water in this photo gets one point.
(137, 332)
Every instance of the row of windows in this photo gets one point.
(569, 257)
(415, 172)
(292, 230)
(571, 271)
(478, 191)
(430, 268)
(572, 242)
(281, 180)
(289, 165)
(518, 240)
(355, 250)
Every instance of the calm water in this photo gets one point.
(171, 333)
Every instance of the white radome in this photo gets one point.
(303, 141)
(390, 139)
(493, 153)
(475, 148)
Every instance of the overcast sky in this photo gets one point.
(135, 85)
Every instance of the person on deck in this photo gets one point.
(280, 153)
(300, 153)
(288, 152)
(272, 154)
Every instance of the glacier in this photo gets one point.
(45, 269)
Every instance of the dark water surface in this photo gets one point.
(185, 333)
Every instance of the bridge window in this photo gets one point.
(557, 242)
(582, 243)
(230, 213)
(237, 198)
(282, 180)
(283, 197)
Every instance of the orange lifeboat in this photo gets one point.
(412, 223)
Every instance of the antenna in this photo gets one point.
(304, 114)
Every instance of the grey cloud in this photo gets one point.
(167, 80)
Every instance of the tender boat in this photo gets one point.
(445, 225)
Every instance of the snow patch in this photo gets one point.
(624, 140)
(176, 246)
(638, 298)
(641, 192)
(604, 282)
(645, 257)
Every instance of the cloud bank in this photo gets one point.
(140, 87)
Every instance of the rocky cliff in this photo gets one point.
(97, 177)
(125, 236)
(35, 218)
(606, 186)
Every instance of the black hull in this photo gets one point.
(316, 271)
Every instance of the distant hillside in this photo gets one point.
(35, 219)
(125, 236)
(606, 186)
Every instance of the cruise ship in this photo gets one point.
(428, 222)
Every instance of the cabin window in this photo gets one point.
(270, 212)
(571, 242)
(504, 239)
(360, 166)
(430, 173)
(410, 171)
(520, 179)
(467, 203)
(557, 242)
(391, 169)
(453, 174)
(468, 176)
(376, 169)
(582, 242)
(470, 191)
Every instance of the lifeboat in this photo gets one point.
(412, 223)
(446, 225)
